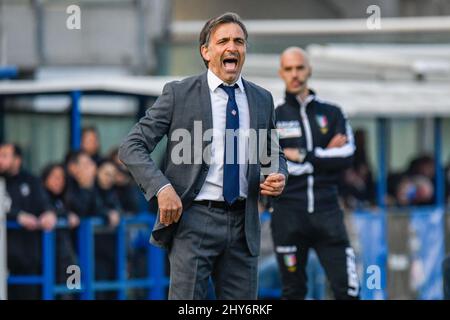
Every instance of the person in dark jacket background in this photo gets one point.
(90, 143)
(105, 245)
(82, 198)
(85, 198)
(318, 143)
(31, 208)
(54, 180)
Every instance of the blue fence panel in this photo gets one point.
(155, 281)
(427, 246)
(371, 253)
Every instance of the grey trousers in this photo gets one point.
(208, 243)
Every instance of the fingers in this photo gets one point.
(276, 180)
(337, 141)
(170, 206)
(171, 214)
(267, 187)
(276, 184)
(28, 221)
(270, 193)
(164, 216)
(74, 220)
(178, 215)
(114, 218)
(273, 185)
(275, 177)
(47, 221)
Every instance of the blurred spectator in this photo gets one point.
(415, 186)
(31, 208)
(414, 190)
(127, 191)
(54, 180)
(106, 180)
(90, 193)
(105, 245)
(357, 187)
(132, 201)
(82, 198)
(90, 143)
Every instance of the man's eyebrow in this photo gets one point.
(228, 38)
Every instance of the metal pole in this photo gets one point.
(121, 260)
(48, 265)
(155, 267)
(5, 203)
(86, 254)
(439, 167)
(2, 119)
(75, 121)
(382, 163)
(39, 12)
(2, 37)
(382, 191)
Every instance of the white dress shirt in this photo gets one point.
(212, 188)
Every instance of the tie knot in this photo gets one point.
(229, 89)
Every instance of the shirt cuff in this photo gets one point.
(163, 187)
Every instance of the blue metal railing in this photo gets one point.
(155, 281)
(8, 72)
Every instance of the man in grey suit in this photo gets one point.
(208, 198)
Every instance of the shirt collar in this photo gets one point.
(214, 82)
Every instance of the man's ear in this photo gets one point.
(205, 53)
(310, 72)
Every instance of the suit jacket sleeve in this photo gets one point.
(135, 150)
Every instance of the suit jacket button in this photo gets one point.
(196, 191)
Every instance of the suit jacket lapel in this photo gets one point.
(206, 109)
(253, 113)
(252, 107)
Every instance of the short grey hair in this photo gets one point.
(211, 24)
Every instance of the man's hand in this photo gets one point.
(47, 220)
(170, 206)
(28, 221)
(114, 218)
(337, 141)
(73, 220)
(273, 185)
(292, 154)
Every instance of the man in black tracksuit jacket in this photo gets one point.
(318, 143)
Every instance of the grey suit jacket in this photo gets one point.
(182, 103)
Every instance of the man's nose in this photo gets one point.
(231, 47)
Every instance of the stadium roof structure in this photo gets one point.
(357, 97)
(282, 27)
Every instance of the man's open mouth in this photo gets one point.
(230, 64)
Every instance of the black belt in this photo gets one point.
(237, 205)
